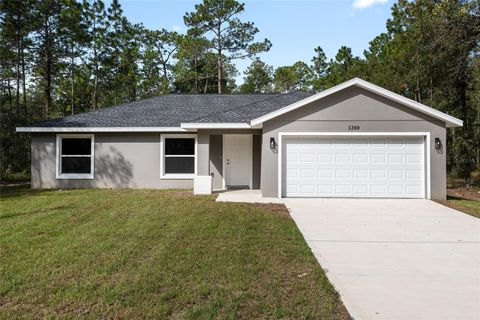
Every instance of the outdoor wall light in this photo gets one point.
(272, 143)
(438, 144)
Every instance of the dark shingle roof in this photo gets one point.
(171, 110)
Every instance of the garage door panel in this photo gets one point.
(354, 167)
(326, 157)
(413, 174)
(395, 173)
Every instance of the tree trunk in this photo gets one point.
(220, 71)
(72, 81)
(196, 75)
(219, 62)
(9, 88)
(95, 63)
(47, 70)
(431, 92)
(418, 95)
(165, 77)
(24, 89)
(466, 129)
(17, 67)
(17, 76)
(219, 59)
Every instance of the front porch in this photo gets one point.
(228, 160)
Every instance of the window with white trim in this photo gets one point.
(75, 156)
(178, 156)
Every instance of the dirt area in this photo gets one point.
(464, 193)
(275, 208)
(14, 183)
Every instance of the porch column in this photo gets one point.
(203, 144)
(202, 183)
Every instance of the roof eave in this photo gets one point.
(213, 125)
(450, 121)
(99, 129)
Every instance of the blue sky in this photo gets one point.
(294, 27)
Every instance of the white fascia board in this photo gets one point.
(101, 129)
(216, 125)
(449, 120)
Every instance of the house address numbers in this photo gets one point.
(353, 128)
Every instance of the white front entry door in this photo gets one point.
(237, 159)
(364, 167)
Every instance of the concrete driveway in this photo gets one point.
(395, 259)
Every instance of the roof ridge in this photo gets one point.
(223, 93)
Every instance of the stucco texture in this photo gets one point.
(122, 160)
(359, 107)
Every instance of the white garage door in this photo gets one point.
(374, 167)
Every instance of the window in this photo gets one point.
(177, 156)
(75, 156)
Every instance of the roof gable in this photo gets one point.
(449, 120)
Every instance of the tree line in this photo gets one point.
(61, 57)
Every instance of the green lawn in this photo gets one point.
(469, 206)
(154, 254)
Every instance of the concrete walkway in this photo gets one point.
(395, 259)
(245, 195)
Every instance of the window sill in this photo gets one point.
(177, 176)
(75, 177)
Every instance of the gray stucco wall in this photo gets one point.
(132, 160)
(216, 160)
(122, 160)
(257, 160)
(354, 106)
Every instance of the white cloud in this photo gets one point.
(177, 28)
(362, 4)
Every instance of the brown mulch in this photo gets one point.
(470, 194)
(14, 183)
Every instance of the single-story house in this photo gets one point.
(353, 140)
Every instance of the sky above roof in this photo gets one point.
(295, 28)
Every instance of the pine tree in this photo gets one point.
(95, 19)
(73, 37)
(46, 18)
(230, 37)
(258, 78)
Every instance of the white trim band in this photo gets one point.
(101, 129)
(229, 125)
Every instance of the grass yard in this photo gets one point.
(154, 254)
(462, 199)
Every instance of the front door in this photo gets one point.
(237, 160)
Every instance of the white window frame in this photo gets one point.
(177, 176)
(59, 174)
